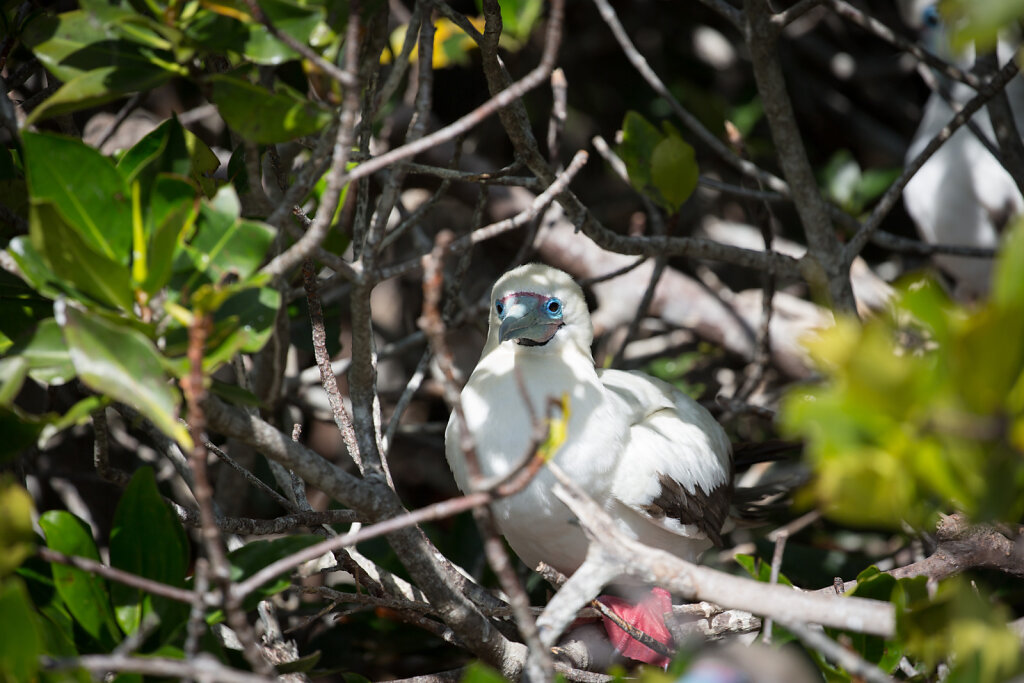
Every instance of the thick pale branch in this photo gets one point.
(612, 553)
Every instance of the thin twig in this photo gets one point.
(194, 389)
(500, 227)
(869, 23)
(252, 478)
(848, 659)
(773, 578)
(336, 178)
(127, 578)
(323, 362)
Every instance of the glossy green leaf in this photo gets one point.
(224, 246)
(226, 25)
(169, 149)
(639, 138)
(263, 116)
(34, 268)
(78, 414)
(20, 309)
(79, 266)
(16, 536)
(45, 353)
(674, 171)
(20, 642)
(122, 363)
(147, 540)
(75, 43)
(173, 208)
(13, 372)
(242, 323)
(85, 595)
(132, 25)
(99, 87)
(85, 188)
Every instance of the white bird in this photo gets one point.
(653, 457)
(962, 195)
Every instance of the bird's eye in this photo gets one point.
(554, 308)
(930, 16)
(499, 308)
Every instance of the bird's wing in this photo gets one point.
(676, 467)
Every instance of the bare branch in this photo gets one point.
(201, 667)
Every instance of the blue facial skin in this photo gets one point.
(527, 318)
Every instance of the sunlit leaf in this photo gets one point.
(99, 86)
(45, 353)
(228, 25)
(79, 267)
(84, 187)
(223, 246)
(263, 116)
(121, 363)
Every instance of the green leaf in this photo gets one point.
(84, 187)
(1007, 283)
(639, 138)
(20, 309)
(226, 25)
(660, 165)
(34, 269)
(173, 209)
(81, 269)
(16, 536)
(169, 149)
(147, 540)
(99, 87)
(18, 432)
(674, 171)
(224, 246)
(122, 363)
(45, 353)
(256, 555)
(84, 594)
(74, 43)
(243, 322)
(478, 672)
(20, 642)
(263, 116)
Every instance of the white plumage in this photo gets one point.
(653, 457)
(962, 195)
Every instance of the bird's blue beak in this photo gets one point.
(526, 322)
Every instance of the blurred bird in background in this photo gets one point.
(962, 195)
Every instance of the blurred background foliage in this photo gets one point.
(920, 411)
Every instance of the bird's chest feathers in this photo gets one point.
(501, 422)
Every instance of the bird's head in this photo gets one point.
(536, 306)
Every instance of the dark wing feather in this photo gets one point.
(707, 510)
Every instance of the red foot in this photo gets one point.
(646, 616)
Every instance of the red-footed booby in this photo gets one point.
(651, 456)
